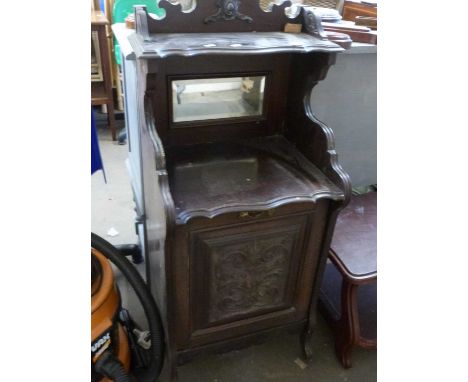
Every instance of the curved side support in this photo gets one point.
(316, 142)
(161, 171)
(326, 159)
(333, 168)
(170, 219)
(313, 138)
(158, 203)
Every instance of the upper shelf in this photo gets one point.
(230, 32)
(190, 44)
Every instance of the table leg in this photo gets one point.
(348, 333)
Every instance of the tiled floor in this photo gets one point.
(275, 360)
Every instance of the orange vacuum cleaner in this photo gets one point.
(107, 334)
(120, 349)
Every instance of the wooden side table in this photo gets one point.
(101, 91)
(353, 8)
(353, 256)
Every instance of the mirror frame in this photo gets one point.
(218, 121)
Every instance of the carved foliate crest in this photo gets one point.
(227, 10)
(250, 275)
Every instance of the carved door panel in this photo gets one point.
(248, 277)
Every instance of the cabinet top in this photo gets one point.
(191, 44)
(228, 31)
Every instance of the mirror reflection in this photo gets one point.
(216, 98)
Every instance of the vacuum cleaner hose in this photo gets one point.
(110, 366)
(146, 299)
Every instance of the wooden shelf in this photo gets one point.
(98, 93)
(207, 179)
(101, 92)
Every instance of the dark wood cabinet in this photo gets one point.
(245, 274)
(246, 177)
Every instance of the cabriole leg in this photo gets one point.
(348, 326)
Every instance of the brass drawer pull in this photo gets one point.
(255, 214)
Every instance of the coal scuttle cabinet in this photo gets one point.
(236, 169)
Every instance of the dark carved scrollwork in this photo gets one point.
(227, 10)
(250, 275)
(313, 24)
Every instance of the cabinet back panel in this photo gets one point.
(164, 75)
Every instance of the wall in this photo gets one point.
(346, 101)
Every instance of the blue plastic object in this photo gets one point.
(96, 159)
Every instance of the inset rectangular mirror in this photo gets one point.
(217, 98)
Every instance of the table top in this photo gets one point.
(354, 244)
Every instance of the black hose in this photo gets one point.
(110, 367)
(153, 371)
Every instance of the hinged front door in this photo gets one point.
(248, 277)
(245, 271)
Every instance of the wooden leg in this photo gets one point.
(347, 334)
(308, 333)
(173, 372)
(111, 120)
(118, 86)
(172, 366)
(106, 72)
(307, 344)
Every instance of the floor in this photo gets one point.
(279, 359)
